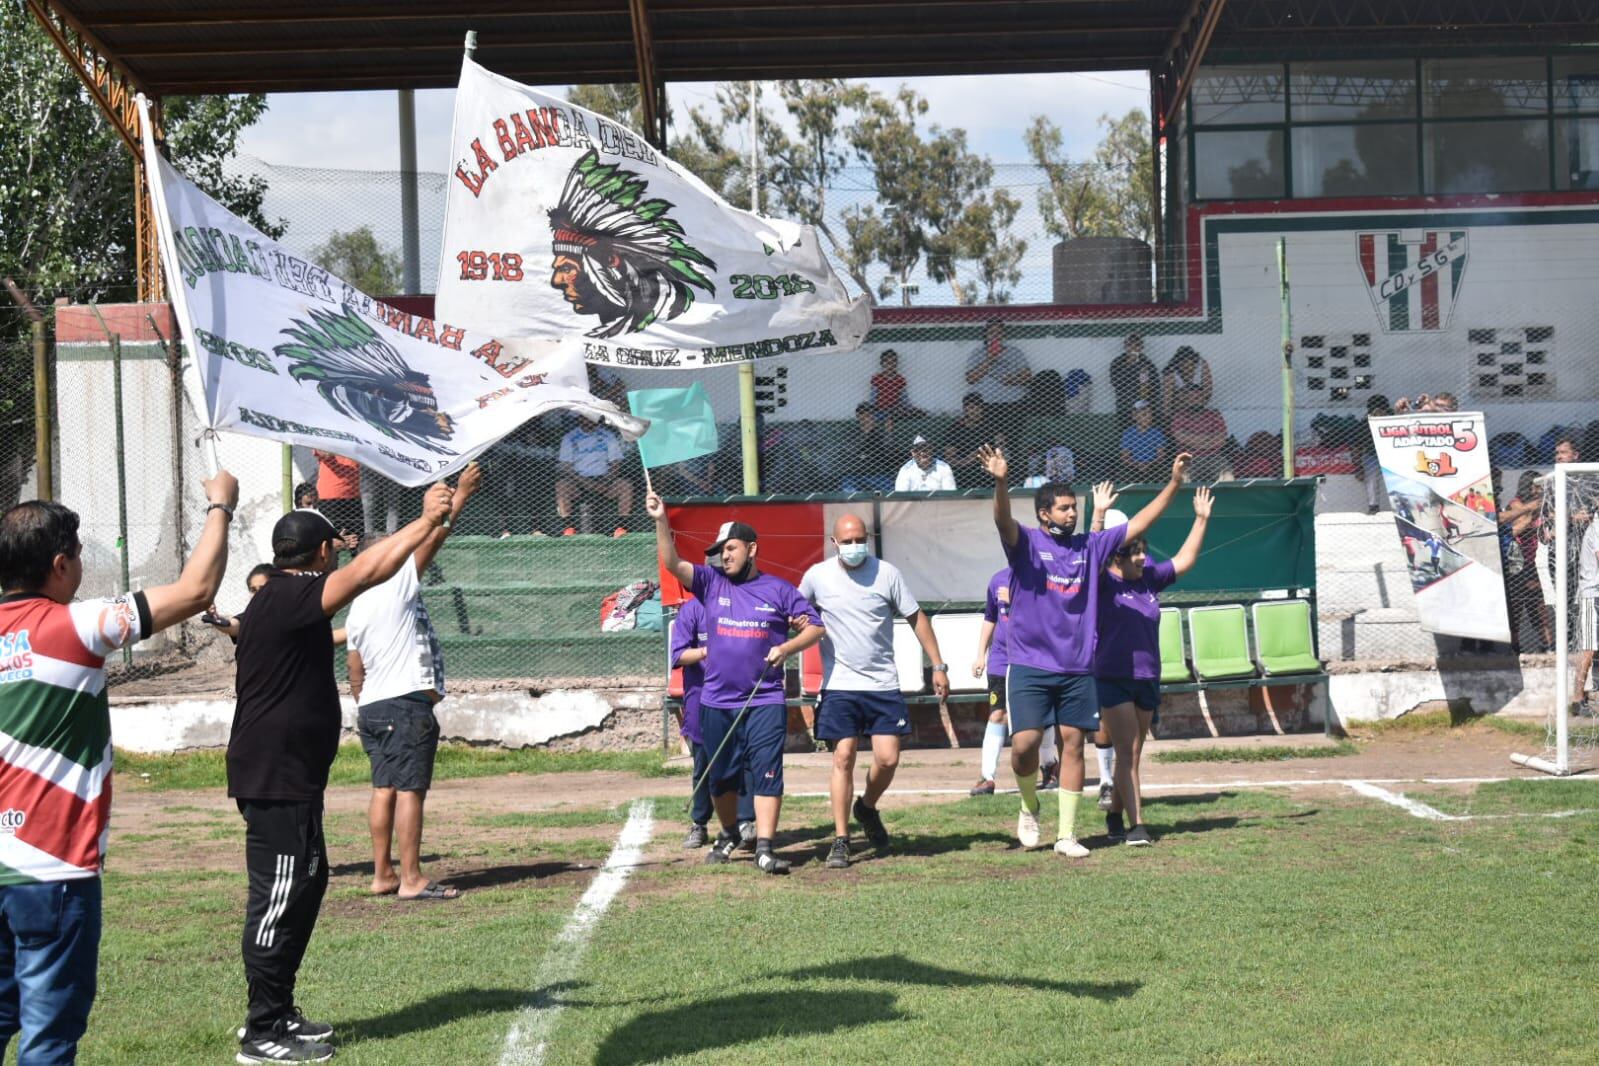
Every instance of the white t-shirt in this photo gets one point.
(992, 386)
(858, 608)
(937, 478)
(390, 629)
(1588, 563)
(591, 452)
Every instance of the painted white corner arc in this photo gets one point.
(1405, 803)
(529, 1036)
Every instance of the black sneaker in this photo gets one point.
(696, 837)
(1115, 828)
(1139, 837)
(297, 1025)
(769, 863)
(722, 850)
(838, 854)
(746, 835)
(985, 787)
(1051, 778)
(276, 1047)
(872, 822)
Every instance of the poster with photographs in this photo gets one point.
(1435, 466)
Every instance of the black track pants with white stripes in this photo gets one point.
(287, 860)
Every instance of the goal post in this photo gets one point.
(1570, 508)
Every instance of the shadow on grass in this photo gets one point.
(494, 876)
(344, 868)
(729, 1021)
(900, 970)
(446, 1008)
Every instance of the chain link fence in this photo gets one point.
(1083, 377)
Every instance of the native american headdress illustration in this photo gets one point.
(633, 265)
(363, 376)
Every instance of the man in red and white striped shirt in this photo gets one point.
(55, 756)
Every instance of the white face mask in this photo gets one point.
(852, 554)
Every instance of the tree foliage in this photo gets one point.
(1111, 195)
(357, 257)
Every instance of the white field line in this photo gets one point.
(1200, 786)
(526, 1042)
(1405, 803)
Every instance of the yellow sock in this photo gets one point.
(1068, 811)
(1029, 791)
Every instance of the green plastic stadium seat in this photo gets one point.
(1221, 642)
(1283, 640)
(1173, 663)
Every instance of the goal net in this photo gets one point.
(1568, 571)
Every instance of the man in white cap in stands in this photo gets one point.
(923, 473)
(859, 596)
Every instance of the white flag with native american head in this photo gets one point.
(559, 223)
(280, 348)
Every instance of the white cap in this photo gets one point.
(1114, 518)
(920, 440)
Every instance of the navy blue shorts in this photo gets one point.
(842, 715)
(752, 761)
(1038, 699)
(1142, 693)
(996, 692)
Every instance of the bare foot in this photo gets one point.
(385, 887)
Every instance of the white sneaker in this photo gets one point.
(1069, 847)
(1107, 795)
(1027, 828)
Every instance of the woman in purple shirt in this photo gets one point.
(1127, 659)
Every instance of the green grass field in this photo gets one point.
(1264, 926)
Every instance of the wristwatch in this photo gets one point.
(224, 508)
(941, 668)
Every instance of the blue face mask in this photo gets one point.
(853, 554)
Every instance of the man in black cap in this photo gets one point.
(285, 734)
(743, 715)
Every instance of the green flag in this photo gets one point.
(682, 424)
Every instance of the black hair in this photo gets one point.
(863, 408)
(1130, 547)
(302, 490)
(1378, 405)
(1527, 482)
(1045, 495)
(32, 534)
(258, 570)
(971, 397)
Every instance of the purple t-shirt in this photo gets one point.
(743, 622)
(996, 609)
(688, 631)
(1129, 623)
(1054, 597)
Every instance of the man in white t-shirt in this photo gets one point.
(396, 676)
(1587, 614)
(923, 473)
(859, 596)
(589, 457)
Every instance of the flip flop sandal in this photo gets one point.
(433, 890)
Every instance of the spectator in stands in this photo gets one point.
(1202, 432)
(888, 388)
(1443, 402)
(997, 370)
(305, 495)
(1144, 444)
(1186, 383)
(691, 477)
(338, 490)
(971, 431)
(869, 455)
(1522, 517)
(923, 473)
(1134, 377)
(589, 457)
(1370, 469)
(1058, 463)
(607, 387)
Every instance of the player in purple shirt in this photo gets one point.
(1054, 587)
(742, 704)
(1127, 661)
(991, 660)
(688, 653)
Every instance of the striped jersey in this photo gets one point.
(55, 732)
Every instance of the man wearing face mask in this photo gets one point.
(747, 617)
(859, 596)
(1055, 578)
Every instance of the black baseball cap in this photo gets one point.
(301, 530)
(733, 531)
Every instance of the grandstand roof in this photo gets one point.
(217, 46)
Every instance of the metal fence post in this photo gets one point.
(1287, 356)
